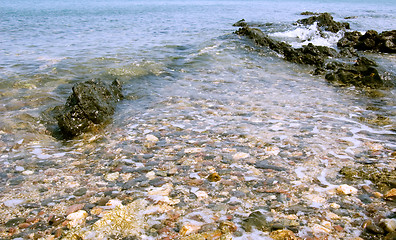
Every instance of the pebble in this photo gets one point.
(74, 208)
(240, 155)
(77, 218)
(189, 228)
(14, 222)
(346, 189)
(388, 225)
(201, 195)
(13, 202)
(283, 235)
(80, 192)
(391, 194)
(214, 177)
(112, 176)
(151, 138)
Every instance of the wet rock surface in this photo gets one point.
(325, 21)
(371, 40)
(91, 103)
(363, 73)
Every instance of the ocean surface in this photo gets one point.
(184, 73)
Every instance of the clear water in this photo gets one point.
(183, 69)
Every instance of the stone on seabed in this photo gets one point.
(283, 235)
(346, 189)
(77, 218)
(391, 194)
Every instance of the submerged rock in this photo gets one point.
(92, 102)
(361, 74)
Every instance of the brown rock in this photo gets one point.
(391, 194)
(214, 177)
(283, 235)
(74, 208)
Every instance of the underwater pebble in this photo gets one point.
(240, 155)
(151, 138)
(317, 228)
(189, 228)
(77, 218)
(27, 172)
(388, 225)
(346, 189)
(201, 195)
(283, 235)
(112, 176)
(391, 194)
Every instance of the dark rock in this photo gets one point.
(309, 13)
(30, 205)
(157, 182)
(365, 198)
(371, 40)
(325, 21)
(361, 74)
(14, 222)
(368, 41)
(374, 228)
(102, 201)
(80, 192)
(390, 236)
(56, 220)
(16, 180)
(350, 39)
(265, 165)
(309, 54)
(91, 103)
(240, 23)
(257, 220)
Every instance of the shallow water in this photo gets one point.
(213, 100)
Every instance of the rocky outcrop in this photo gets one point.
(91, 103)
(325, 21)
(371, 40)
(309, 54)
(361, 74)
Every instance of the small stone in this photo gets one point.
(391, 194)
(74, 208)
(201, 195)
(77, 218)
(80, 192)
(27, 172)
(378, 194)
(112, 176)
(338, 228)
(373, 228)
(24, 225)
(113, 203)
(56, 220)
(189, 228)
(346, 189)
(388, 225)
(317, 228)
(240, 155)
(151, 138)
(214, 177)
(283, 234)
(15, 222)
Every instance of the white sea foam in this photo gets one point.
(304, 35)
